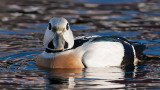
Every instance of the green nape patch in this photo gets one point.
(110, 38)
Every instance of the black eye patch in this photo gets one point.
(49, 26)
(67, 26)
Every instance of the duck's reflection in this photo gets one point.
(87, 78)
(101, 77)
(62, 78)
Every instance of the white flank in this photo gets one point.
(102, 54)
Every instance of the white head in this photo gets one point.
(58, 35)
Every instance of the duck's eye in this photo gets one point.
(49, 26)
(67, 26)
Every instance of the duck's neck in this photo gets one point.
(55, 51)
(52, 51)
(48, 53)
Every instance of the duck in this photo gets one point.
(62, 50)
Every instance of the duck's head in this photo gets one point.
(58, 35)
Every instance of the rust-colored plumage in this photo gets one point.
(70, 60)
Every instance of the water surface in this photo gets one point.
(22, 26)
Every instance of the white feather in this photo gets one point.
(68, 36)
(48, 36)
(102, 54)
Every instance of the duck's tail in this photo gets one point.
(139, 48)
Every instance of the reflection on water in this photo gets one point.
(21, 31)
(89, 78)
(109, 77)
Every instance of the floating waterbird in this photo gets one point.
(63, 51)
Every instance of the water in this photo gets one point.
(22, 27)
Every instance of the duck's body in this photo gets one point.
(87, 52)
(68, 60)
